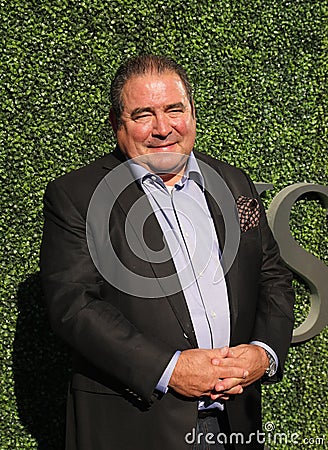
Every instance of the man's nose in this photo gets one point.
(161, 125)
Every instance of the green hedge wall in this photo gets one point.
(258, 69)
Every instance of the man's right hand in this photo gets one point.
(195, 376)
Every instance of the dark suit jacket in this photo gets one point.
(122, 343)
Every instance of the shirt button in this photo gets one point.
(213, 314)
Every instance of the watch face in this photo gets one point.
(271, 370)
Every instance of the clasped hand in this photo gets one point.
(218, 373)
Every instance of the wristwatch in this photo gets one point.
(272, 368)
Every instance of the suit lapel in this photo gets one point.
(212, 189)
(152, 241)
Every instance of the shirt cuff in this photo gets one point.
(162, 385)
(268, 349)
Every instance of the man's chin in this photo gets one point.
(163, 163)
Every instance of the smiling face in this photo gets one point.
(157, 124)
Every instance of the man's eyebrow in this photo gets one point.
(137, 111)
(175, 106)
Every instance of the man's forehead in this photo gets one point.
(152, 89)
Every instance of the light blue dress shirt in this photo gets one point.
(187, 225)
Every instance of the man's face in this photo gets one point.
(157, 123)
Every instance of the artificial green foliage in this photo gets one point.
(258, 69)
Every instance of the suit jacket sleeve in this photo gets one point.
(274, 315)
(260, 286)
(93, 327)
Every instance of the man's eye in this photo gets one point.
(142, 116)
(175, 111)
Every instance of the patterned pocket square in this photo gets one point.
(249, 212)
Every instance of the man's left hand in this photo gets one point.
(252, 358)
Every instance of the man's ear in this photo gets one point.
(193, 109)
(113, 120)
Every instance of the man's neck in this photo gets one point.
(170, 179)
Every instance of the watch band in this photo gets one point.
(272, 368)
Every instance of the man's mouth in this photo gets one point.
(162, 145)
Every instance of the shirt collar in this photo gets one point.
(192, 172)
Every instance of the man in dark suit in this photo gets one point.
(161, 273)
